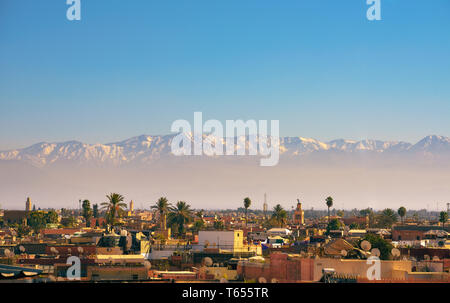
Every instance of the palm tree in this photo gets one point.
(247, 203)
(163, 206)
(199, 214)
(279, 215)
(402, 213)
(87, 211)
(443, 217)
(329, 201)
(387, 218)
(114, 207)
(180, 215)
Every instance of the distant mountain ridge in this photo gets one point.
(145, 149)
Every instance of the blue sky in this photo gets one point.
(133, 67)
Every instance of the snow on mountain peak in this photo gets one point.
(145, 149)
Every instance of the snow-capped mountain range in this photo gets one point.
(145, 149)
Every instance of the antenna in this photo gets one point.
(395, 252)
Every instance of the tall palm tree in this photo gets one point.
(114, 207)
(402, 213)
(329, 201)
(247, 203)
(163, 206)
(180, 215)
(87, 211)
(279, 215)
(443, 217)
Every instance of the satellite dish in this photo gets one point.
(274, 280)
(395, 252)
(375, 252)
(147, 265)
(366, 245)
(262, 280)
(22, 249)
(344, 253)
(207, 261)
(436, 258)
(80, 249)
(54, 250)
(426, 257)
(223, 280)
(123, 233)
(6, 252)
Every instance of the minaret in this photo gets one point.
(28, 205)
(131, 206)
(299, 214)
(265, 206)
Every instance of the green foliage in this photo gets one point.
(279, 216)
(354, 226)
(198, 225)
(218, 224)
(68, 221)
(334, 224)
(95, 210)
(247, 203)
(114, 207)
(387, 218)
(401, 212)
(87, 211)
(51, 217)
(329, 202)
(163, 207)
(443, 218)
(23, 230)
(37, 220)
(180, 215)
(378, 242)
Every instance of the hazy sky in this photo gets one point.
(133, 67)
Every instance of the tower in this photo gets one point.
(299, 214)
(265, 205)
(28, 205)
(131, 206)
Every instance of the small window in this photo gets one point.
(135, 277)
